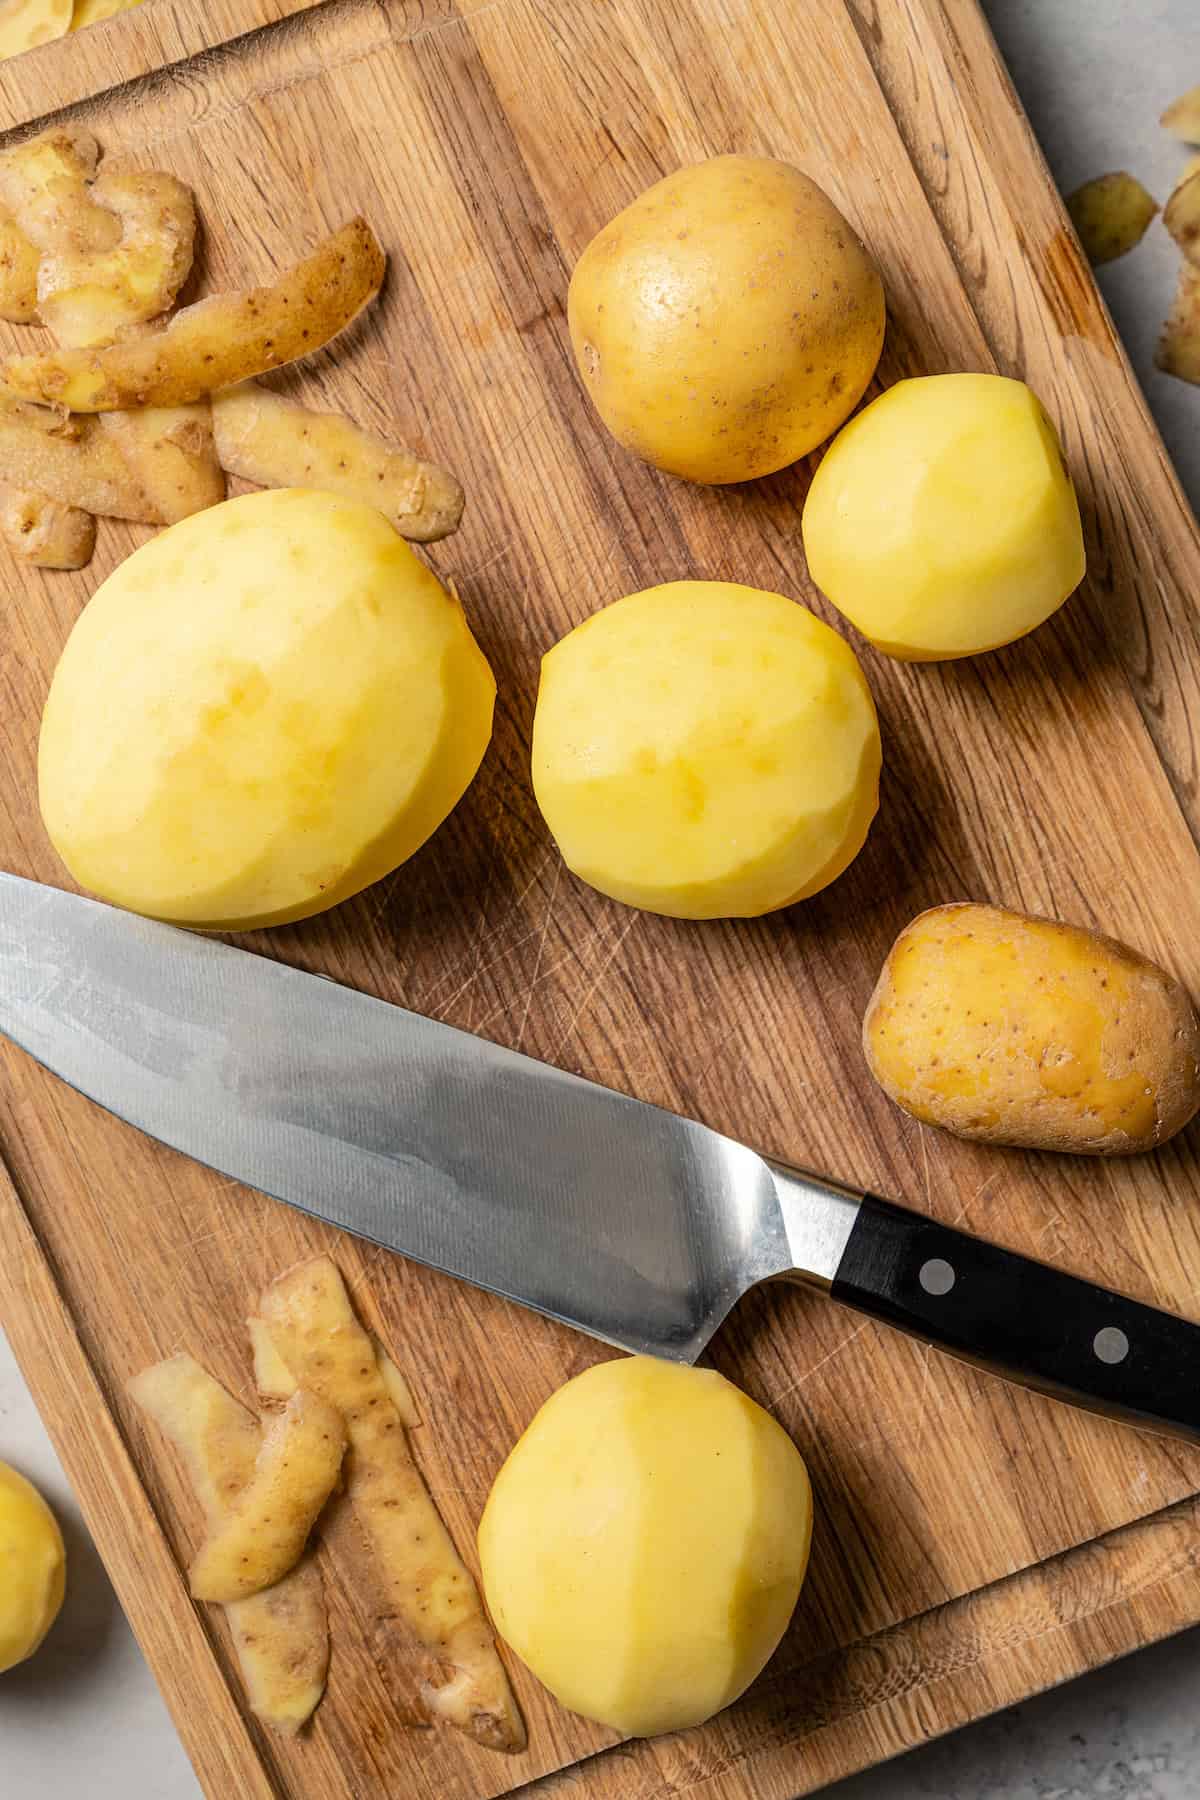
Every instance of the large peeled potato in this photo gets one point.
(942, 520)
(1022, 1031)
(727, 321)
(32, 1568)
(644, 1545)
(264, 709)
(705, 750)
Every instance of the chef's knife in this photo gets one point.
(625, 1221)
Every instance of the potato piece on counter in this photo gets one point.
(423, 1580)
(706, 751)
(727, 321)
(262, 711)
(1182, 217)
(645, 1543)
(33, 1568)
(1178, 350)
(942, 521)
(1022, 1031)
(281, 1636)
(1182, 117)
(1111, 214)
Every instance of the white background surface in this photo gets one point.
(85, 1719)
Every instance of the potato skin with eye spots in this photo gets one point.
(728, 321)
(706, 750)
(266, 708)
(1022, 1031)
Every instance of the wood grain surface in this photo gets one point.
(973, 1542)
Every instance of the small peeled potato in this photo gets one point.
(644, 1545)
(942, 521)
(33, 1568)
(706, 751)
(727, 321)
(1111, 214)
(266, 708)
(1021, 1031)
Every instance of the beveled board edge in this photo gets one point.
(919, 1680)
(153, 36)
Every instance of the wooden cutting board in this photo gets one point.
(973, 1542)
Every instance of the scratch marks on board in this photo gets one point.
(541, 951)
(830, 1356)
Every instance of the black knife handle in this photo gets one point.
(1022, 1319)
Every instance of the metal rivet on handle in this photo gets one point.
(936, 1276)
(1110, 1344)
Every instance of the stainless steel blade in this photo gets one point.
(636, 1226)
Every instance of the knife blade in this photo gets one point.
(630, 1223)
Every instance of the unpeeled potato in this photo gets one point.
(266, 708)
(727, 321)
(942, 520)
(645, 1543)
(706, 750)
(1023, 1031)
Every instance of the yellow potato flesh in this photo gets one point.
(942, 520)
(645, 1543)
(727, 321)
(1024, 1031)
(24, 24)
(263, 710)
(706, 751)
(33, 1568)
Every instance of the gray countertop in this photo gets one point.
(85, 1717)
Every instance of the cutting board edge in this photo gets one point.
(55, 78)
(871, 1690)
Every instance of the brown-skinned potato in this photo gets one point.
(1023, 1031)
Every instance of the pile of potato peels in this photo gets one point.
(137, 413)
(262, 1485)
(1112, 213)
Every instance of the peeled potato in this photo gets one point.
(266, 708)
(942, 521)
(94, 12)
(33, 1568)
(1022, 1031)
(705, 750)
(645, 1543)
(24, 24)
(727, 321)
